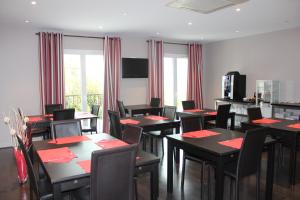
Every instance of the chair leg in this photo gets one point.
(237, 192)
(162, 147)
(156, 146)
(202, 181)
(258, 184)
(231, 188)
(208, 182)
(144, 143)
(135, 189)
(183, 171)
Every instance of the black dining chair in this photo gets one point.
(66, 128)
(249, 160)
(188, 124)
(49, 108)
(64, 114)
(122, 109)
(189, 104)
(41, 189)
(223, 114)
(93, 122)
(115, 124)
(169, 112)
(155, 102)
(254, 113)
(132, 134)
(112, 175)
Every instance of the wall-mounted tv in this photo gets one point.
(134, 68)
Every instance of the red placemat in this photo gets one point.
(68, 140)
(296, 126)
(193, 110)
(199, 134)
(35, 119)
(107, 144)
(85, 165)
(234, 143)
(266, 121)
(129, 121)
(58, 155)
(211, 113)
(154, 117)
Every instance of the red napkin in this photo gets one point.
(265, 121)
(211, 113)
(233, 143)
(154, 117)
(129, 121)
(296, 126)
(67, 140)
(35, 119)
(107, 144)
(193, 110)
(85, 165)
(199, 134)
(58, 155)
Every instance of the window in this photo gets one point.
(175, 80)
(84, 79)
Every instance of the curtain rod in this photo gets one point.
(172, 43)
(81, 36)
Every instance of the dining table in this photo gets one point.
(209, 148)
(206, 115)
(286, 132)
(143, 109)
(70, 171)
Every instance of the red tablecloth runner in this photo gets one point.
(234, 143)
(85, 165)
(211, 113)
(129, 121)
(68, 140)
(154, 117)
(265, 121)
(193, 110)
(199, 134)
(107, 144)
(296, 126)
(58, 155)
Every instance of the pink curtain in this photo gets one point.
(51, 68)
(156, 76)
(195, 70)
(112, 63)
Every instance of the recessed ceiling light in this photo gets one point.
(237, 31)
(100, 27)
(33, 3)
(27, 21)
(237, 9)
(190, 23)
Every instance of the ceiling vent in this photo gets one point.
(203, 6)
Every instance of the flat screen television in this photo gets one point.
(134, 68)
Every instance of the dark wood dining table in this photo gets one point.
(142, 109)
(209, 149)
(287, 136)
(205, 115)
(69, 176)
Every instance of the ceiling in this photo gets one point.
(152, 18)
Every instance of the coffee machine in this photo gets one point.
(234, 86)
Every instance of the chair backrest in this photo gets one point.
(94, 111)
(132, 134)
(64, 114)
(222, 116)
(115, 125)
(169, 112)
(112, 173)
(186, 105)
(121, 108)
(254, 113)
(191, 123)
(250, 155)
(65, 128)
(155, 102)
(49, 108)
(32, 178)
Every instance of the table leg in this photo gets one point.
(170, 167)
(56, 192)
(293, 161)
(219, 179)
(270, 172)
(154, 183)
(232, 119)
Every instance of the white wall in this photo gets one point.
(19, 83)
(270, 56)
